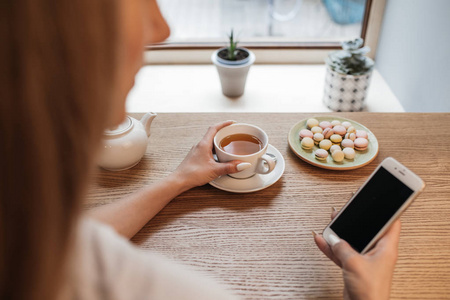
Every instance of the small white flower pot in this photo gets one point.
(233, 74)
(344, 92)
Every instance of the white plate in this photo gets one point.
(254, 183)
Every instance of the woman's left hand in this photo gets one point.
(199, 167)
(366, 276)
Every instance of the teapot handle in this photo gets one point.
(147, 120)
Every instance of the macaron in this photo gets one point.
(305, 133)
(325, 124)
(351, 129)
(336, 138)
(325, 144)
(349, 153)
(346, 124)
(338, 156)
(307, 143)
(335, 122)
(321, 154)
(350, 136)
(347, 143)
(361, 144)
(362, 134)
(327, 133)
(339, 129)
(312, 123)
(318, 137)
(334, 148)
(316, 129)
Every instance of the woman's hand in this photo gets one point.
(129, 215)
(199, 166)
(367, 276)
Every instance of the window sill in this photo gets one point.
(270, 88)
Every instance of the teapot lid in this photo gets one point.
(121, 128)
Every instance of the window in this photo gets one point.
(305, 30)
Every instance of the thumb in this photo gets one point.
(343, 251)
(229, 167)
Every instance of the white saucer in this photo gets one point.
(254, 183)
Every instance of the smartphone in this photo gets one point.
(389, 190)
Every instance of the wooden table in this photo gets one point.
(261, 243)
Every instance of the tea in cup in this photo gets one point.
(247, 143)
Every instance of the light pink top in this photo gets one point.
(105, 265)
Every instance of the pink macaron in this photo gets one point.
(327, 132)
(350, 136)
(361, 134)
(361, 144)
(347, 143)
(346, 124)
(339, 129)
(305, 133)
(325, 124)
(321, 154)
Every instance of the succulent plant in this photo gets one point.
(232, 47)
(351, 59)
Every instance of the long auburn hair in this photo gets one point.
(57, 75)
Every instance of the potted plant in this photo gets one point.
(348, 77)
(233, 64)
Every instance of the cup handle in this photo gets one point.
(270, 163)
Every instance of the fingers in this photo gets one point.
(334, 213)
(209, 136)
(325, 248)
(340, 252)
(343, 251)
(323, 245)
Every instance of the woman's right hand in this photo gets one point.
(199, 167)
(367, 276)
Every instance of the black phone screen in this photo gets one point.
(371, 209)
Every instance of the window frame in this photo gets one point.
(269, 52)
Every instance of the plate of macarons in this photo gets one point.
(333, 143)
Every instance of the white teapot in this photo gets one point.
(124, 146)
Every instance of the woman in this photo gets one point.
(66, 69)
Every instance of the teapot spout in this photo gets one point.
(147, 120)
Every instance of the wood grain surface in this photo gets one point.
(260, 244)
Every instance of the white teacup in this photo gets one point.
(260, 162)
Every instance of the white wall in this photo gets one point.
(413, 53)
